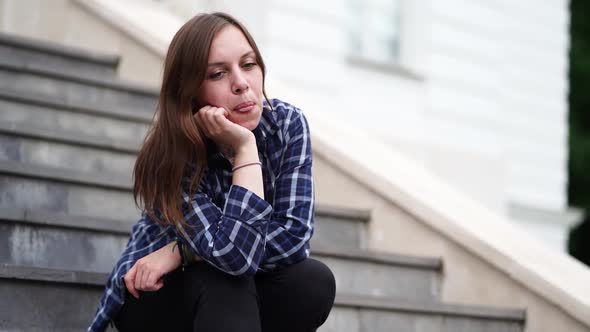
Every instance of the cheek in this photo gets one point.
(212, 94)
(256, 83)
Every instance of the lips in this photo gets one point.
(245, 107)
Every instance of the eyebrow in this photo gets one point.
(214, 64)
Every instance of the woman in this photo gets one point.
(224, 178)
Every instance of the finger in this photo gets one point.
(159, 284)
(201, 121)
(201, 126)
(138, 277)
(130, 280)
(208, 118)
(144, 279)
(201, 116)
(220, 118)
(150, 281)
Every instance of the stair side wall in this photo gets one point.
(466, 278)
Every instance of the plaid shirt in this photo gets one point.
(231, 227)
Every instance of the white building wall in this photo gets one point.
(479, 95)
(485, 105)
(499, 70)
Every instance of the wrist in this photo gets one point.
(247, 152)
(245, 146)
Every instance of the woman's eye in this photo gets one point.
(216, 75)
(249, 64)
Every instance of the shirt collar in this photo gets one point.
(268, 125)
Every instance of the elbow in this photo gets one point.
(248, 267)
(300, 254)
(247, 271)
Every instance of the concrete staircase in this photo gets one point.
(69, 133)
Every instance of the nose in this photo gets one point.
(239, 83)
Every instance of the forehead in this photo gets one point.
(228, 43)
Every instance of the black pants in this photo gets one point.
(297, 298)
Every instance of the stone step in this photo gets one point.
(55, 114)
(77, 193)
(20, 50)
(360, 313)
(76, 87)
(33, 144)
(108, 195)
(42, 239)
(79, 293)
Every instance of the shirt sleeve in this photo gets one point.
(291, 224)
(231, 239)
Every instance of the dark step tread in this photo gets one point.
(58, 49)
(52, 219)
(424, 307)
(35, 274)
(123, 182)
(31, 130)
(114, 112)
(103, 179)
(18, 272)
(363, 215)
(85, 79)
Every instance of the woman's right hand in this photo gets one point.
(213, 121)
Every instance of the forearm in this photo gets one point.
(249, 177)
(231, 238)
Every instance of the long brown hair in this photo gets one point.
(174, 141)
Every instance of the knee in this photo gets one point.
(321, 290)
(320, 279)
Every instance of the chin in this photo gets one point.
(250, 125)
(253, 122)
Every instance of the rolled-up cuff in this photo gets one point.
(244, 205)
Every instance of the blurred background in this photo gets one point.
(464, 128)
(481, 92)
(489, 95)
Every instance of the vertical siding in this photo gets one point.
(537, 72)
(464, 82)
(306, 50)
(490, 115)
(499, 68)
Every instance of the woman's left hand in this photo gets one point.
(146, 274)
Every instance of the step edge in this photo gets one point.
(62, 50)
(378, 257)
(120, 145)
(111, 226)
(363, 215)
(103, 179)
(113, 84)
(64, 221)
(68, 137)
(64, 175)
(98, 279)
(441, 308)
(71, 106)
(42, 274)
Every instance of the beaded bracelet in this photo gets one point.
(244, 165)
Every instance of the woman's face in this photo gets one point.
(234, 79)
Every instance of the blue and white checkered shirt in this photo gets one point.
(231, 227)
